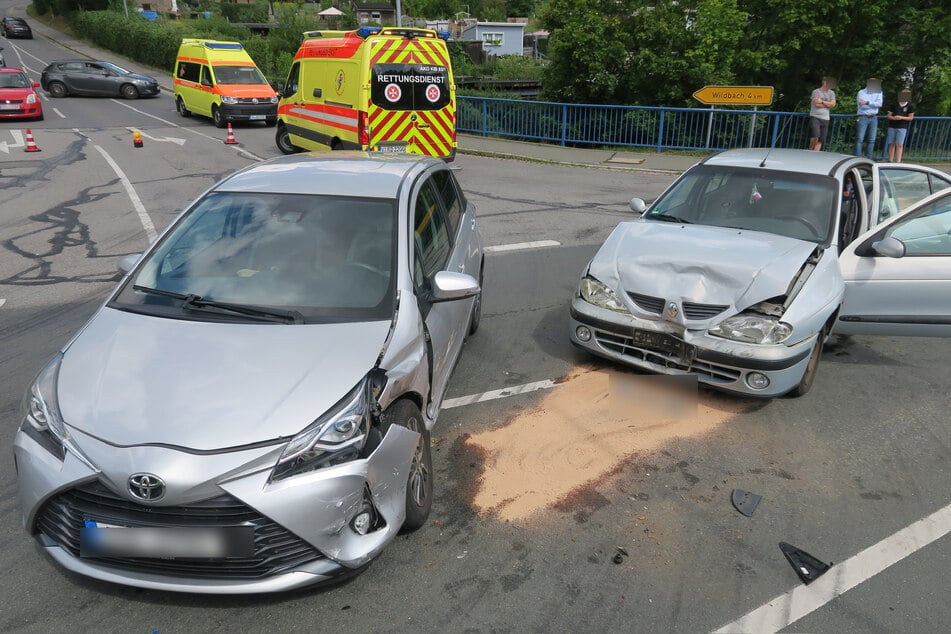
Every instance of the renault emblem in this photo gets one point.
(672, 311)
(146, 487)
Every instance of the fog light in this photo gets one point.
(583, 333)
(757, 381)
(361, 523)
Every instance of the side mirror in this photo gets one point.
(127, 262)
(638, 205)
(448, 286)
(36, 84)
(889, 247)
(318, 92)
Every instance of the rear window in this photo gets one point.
(409, 87)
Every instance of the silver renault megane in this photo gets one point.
(250, 410)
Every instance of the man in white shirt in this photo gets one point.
(869, 100)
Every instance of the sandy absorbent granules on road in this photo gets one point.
(583, 430)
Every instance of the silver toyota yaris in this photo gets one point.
(250, 410)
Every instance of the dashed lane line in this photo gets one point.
(521, 246)
(505, 392)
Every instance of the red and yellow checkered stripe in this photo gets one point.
(434, 131)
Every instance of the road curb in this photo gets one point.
(535, 159)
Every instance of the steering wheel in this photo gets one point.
(812, 228)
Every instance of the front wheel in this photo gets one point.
(57, 89)
(476, 316)
(283, 140)
(809, 376)
(217, 117)
(128, 91)
(419, 485)
(182, 110)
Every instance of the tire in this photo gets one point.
(217, 117)
(283, 140)
(128, 91)
(182, 110)
(271, 123)
(475, 317)
(57, 89)
(809, 376)
(419, 486)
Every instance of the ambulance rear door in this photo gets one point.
(412, 107)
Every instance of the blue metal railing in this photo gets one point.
(929, 138)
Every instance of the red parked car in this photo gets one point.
(18, 98)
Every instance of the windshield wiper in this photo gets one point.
(200, 304)
(668, 218)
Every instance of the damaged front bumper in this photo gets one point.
(720, 363)
(303, 526)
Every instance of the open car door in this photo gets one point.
(898, 275)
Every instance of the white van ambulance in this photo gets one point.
(385, 89)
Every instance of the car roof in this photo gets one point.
(7, 69)
(800, 161)
(348, 173)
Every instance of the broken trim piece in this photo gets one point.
(807, 567)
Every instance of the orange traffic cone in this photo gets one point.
(30, 143)
(230, 140)
(137, 139)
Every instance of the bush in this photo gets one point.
(151, 43)
(257, 12)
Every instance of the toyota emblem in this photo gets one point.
(146, 487)
(672, 311)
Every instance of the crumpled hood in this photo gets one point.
(132, 379)
(708, 265)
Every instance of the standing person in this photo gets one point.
(900, 114)
(869, 100)
(823, 98)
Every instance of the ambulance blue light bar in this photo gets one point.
(224, 46)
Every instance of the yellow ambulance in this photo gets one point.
(383, 89)
(220, 80)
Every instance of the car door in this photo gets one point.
(97, 80)
(901, 185)
(898, 275)
(435, 250)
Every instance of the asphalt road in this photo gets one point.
(536, 490)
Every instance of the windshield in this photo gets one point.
(328, 258)
(14, 80)
(794, 205)
(239, 75)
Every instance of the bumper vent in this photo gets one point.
(275, 548)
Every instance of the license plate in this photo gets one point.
(97, 539)
(256, 117)
(662, 342)
(392, 149)
(9, 106)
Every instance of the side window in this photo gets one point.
(938, 184)
(293, 77)
(189, 71)
(206, 79)
(94, 69)
(446, 184)
(928, 232)
(430, 233)
(901, 188)
(73, 67)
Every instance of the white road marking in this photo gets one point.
(191, 130)
(130, 190)
(17, 142)
(160, 139)
(497, 394)
(788, 608)
(61, 115)
(2, 302)
(520, 246)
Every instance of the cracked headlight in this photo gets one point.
(594, 292)
(752, 329)
(336, 437)
(42, 419)
(229, 99)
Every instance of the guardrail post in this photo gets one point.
(660, 132)
(775, 130)
(485, 117)
(564, 124)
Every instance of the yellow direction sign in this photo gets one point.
(735, 95)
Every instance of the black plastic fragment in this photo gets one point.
(806, 566)
(745, 502)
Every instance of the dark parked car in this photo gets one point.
(93, 79)
(16, 27)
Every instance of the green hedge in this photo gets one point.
(257, 12)
(151, 43)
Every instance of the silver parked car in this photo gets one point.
(734, 274)
(250, 410)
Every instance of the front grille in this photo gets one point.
(626, 347)
(275, 548)
(702, 311)
(648, 303)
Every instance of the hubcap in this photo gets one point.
(419, 472)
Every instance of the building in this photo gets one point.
(383, 13)
(498, 38)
